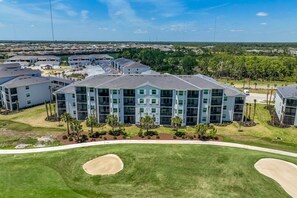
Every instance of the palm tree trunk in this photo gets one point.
(46, 111)
(68, 132)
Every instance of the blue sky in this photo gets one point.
(150, 20)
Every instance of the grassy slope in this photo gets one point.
(150, 170)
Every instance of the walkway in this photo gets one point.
(188, 142)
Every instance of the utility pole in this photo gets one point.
(52, 23)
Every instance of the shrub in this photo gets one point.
(114, 133)
(84, 138)
(180, 134)
(158, 137)
(115, 137)
(140, 134)
(191, 137)
(148, 137)
(64, 137)
(174, 137)
(150, 133)
(124, 137)
(183, 137)
(70, 139)
(105, 138)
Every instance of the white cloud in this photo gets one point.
(103, 28)
(262, 14)
(32, 26)
(263, 23)
(64, 8)
(84, 15)
(113, 29)
(236, 30)
(140, 31)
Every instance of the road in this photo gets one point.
(114, 142)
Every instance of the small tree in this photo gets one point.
(176, 122)
(201, 129)
(213, 132)
(255, 85)
(76, 127)
(112, 121)
(147, 122)
(255, 108)
(91, 122)
(66, 117)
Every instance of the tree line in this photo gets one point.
(184, 61)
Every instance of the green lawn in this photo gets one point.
(149, 170)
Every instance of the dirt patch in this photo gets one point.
(284, 173)
(105, 165)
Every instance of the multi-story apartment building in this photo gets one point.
(127, 66)
(286, 104)
(196, 99)
(26, 91)
(35, 60)
(84, 60)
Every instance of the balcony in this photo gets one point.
(104, 101)
(60, 96)
(192, 112)
(166, 93)
(238, 108)
(129, 92)
(81, 98)
(103, 92)
(193, 94)
(216, 101)
(81, 90)
(192, 103)
(104, 110)
(239, 100)
(166, 112)
(129, 101)
(217, 92)
(166, 102)
(291, 103)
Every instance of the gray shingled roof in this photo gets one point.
(288, 91)
(18, 72)
(162, 81)
(127, 63)
(4, 66)
(22, 81)
(68, 89)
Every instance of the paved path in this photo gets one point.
(261, 98)
(189, 142)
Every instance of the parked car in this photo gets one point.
(246, 92)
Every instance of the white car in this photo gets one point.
(246, 92)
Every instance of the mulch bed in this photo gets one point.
(163, 136)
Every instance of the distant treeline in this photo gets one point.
(219, 65)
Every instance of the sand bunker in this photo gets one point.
(284, 173)
(105, 165)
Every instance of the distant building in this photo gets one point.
(196, 99)
(26, 61)
(127, 66)
(286, 104)
(84, 60)
(26, 91)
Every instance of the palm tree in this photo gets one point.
(176, 122)
(255, 108)
(66, 117)
(112, 121)
(46, 108)
(91, 122)
(255, 85)
(50, 104)
(76, 127)
(147, 122)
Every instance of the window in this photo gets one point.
(180, 111)
(203, 119)
(92, 107)
(224, 115)
(91, 89)
(205, 92)
(154, 92)
(29, 102)
(114, 92)
(141, 101)
(225, 107)
(73, 104)
(141, 91)
(73, 95)
(180, 93)
(92, 98)
(74, 112)
(204, 110)
(180, 102)
(153, 110)
(225, 98)
(205, 100)
(27, 87)
(141, 110)
(27, 95)
(153, 101)
(115, 110)
(115, 101)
